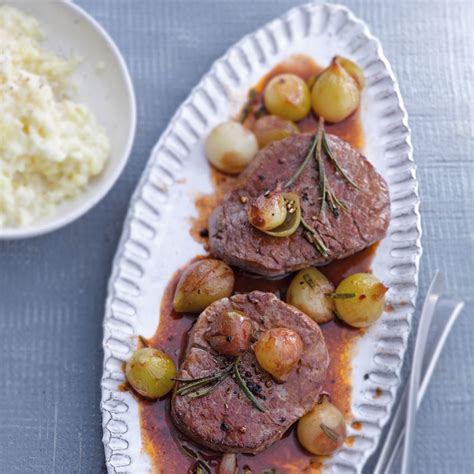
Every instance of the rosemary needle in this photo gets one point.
(303, 165)
(328, 151)
(341, 296)
(201, 386)
(329, 432)
(199, 389)
(314, 238)
(203, 391)
(243, 386)
(200, 465)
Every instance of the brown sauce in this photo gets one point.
(356, 425)
(206, 203)
(161, 439)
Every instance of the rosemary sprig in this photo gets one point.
(322, 173)
(202, 391)
(312, 237)
(329, 432)
(326, 193)
(200, 466)
(204, 377)
(328, 152)
(243, 386)
(191, 386)
(303, 165)
(310, 234)
(201, 386)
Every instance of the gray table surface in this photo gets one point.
(53, 288)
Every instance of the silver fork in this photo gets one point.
(446, 316)
(432, 297)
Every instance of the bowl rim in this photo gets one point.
(57, 222)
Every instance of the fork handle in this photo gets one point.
(393, 441)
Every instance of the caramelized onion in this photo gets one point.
(228, 464)
(335, 94)
(230, 333)
(202, 283)
(267, 212)
(323, 429)
(278, 351)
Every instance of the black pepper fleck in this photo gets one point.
(224, 427)
(204, 233)
(256, 389)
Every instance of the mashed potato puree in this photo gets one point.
(50, 147)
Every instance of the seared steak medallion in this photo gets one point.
(225, 419)
(233, 239)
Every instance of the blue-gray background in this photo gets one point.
(53, 288)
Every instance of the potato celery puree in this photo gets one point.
(50, 146)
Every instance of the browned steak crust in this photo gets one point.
(225, 420)
(234, 240)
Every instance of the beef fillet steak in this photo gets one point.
(225, 420)
(233, 239)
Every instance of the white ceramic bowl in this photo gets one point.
(108, 92)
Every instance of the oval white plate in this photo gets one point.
(156, 238)
(70, 32)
